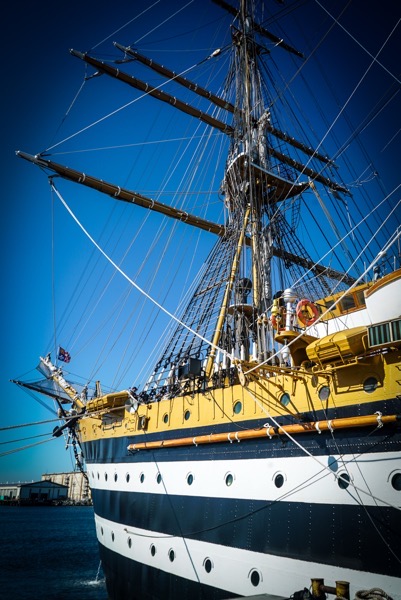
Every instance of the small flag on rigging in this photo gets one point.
(63, 355)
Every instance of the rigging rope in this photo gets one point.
(135, 285)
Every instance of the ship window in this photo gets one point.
(171, 555)
(127, 477)
(207, 563)
(129, 542)
(93, 475)
(360, 298)
(379, 334)
(396, 330)
(285, 399)
(370, 384)
(255, 577)
(159, 478)
(229, 479)
(105, 476)
(324, 393)
(190, 479)
(343, 481)
(347, 303)
(187, 414)
(165, 418)
(153, 549)
(115, 476)
(142, 477)
(279, 480)
(237, 407)
(101, 530)
(98, 475)
(396, 481)
(112, 536)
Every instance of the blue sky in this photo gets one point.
(40, 80)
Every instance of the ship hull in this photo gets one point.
(239, 519)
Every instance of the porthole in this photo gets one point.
(324, 393)
(229, 479)
(98, 475)
(152, 549)
(101, 531)
(370, 384)
(171, 555)
(190, 479)
(187, 414)
(255, 577)
(105, 476)
(396, 481)
(159, 478)
(112, 536)
(165, 418)
(285, 399)
(237, 407)
(278, 480)
(207, 563)
(142, 477)
(129, 542)
(127, 477)
(93, 475)
(332, 463)
(343, 481)
(115, 476)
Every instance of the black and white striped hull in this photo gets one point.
(246, 518)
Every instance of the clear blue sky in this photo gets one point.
(40, 80)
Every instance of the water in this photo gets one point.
(49, 553)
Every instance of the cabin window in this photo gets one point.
(360, 298)
(127, 477)
(112, 536)
(370, 384)
(343, 481)
(347, 303)
(142, 477)
(105, 476)
(190, 479)
(159, 478)
(171, 555)
(165, 418)
(101, 531)
(115, 476)
(396, 481)
(285, 399)
(324, 393)
(229, 479)
(279, 480)
(255, 577)
(207, 563)
(237, 407)
(129, 542)
(152, 549)
(187, 414)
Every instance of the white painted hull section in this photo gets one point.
(231, 567)
(306, 479)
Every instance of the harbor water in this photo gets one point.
(49, 553)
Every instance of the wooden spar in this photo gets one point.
(124, 194)
(155, 92)
(197, 89)
(162, 70)
(268, 432)
(202, 116)
(259, 29)
(307, 171)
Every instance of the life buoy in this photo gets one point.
(307, 312)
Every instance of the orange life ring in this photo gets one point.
(307, 312)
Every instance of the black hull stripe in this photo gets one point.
(280, 528)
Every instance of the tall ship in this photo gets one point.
(250, 438)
